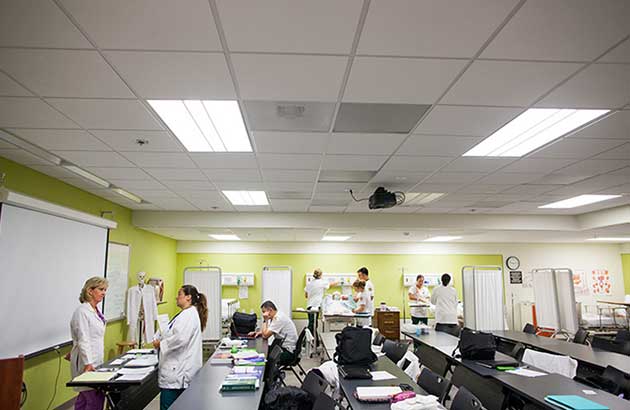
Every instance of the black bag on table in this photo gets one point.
(476, 345)
(243, 323)
(354, 347)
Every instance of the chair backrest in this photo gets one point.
(300, 343)
(435, 361)
(517, 351)
(619, 379)
(611, 345)
(324, 402)
(314, 384)
(434, 384)
(489, 393)
(580, 336)
(379, 339)
(271, 368)
(529, 328)
(395, 350)
(551, 363)
(465, 400)
(622, 336)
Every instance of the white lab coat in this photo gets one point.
(88, 339)
(180, 350)
(146, 296)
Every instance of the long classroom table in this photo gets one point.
(532, 389)
(203, 392)
(585, 355)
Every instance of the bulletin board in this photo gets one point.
(117, 274)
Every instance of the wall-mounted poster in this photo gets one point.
(601, 282)
(158, 284)
(579, 283)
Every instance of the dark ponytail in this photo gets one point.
(199, 301)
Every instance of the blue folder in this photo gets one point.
(571, 402)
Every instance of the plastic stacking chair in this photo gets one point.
(530, 329)
(434, 384)
(580, 336)
(324, 402)
(295, 362)
(314, 384)
(395, 350)
(465, 400)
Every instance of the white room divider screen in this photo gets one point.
(483, 297)
(555, 299)
(277, 286)
(207, 280)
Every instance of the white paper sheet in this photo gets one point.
(526, 372)
(143, 351)
(116, 362)
(132, 377)
(151, 360)
(243, 292)
(134, 370)
(163, 322)
(382, 375)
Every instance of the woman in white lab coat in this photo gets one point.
(180, 345)
(87, 328)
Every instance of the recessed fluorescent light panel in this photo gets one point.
(532, 129)
(32, 149)
(247, 198)
(580, 200)
(128, 195)
(421, 198)
(611, 239)
(335, 238)
(225, 237)
(442, 238)
(204, 125)
(87, 175)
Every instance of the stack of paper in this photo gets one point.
(92, 377)
(526, 372)
(141, 351)
(133, 374)
(144, 361)
(377, 393)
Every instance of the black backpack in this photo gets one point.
(243, 323)
(288, 398)
(476, 345)
(354, 347)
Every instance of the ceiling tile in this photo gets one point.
(289, 195)
(22, 157)
(30, 113)
(37, 24)
(250, 175)
(95, 158)
(340, 187)
(485, 188)
(289, 77)
(364, 144)
(561, 30)
(290, 26)
(10, 88)
(180, 75)
(289, 186)
(64, 73)
(160, 159)
(353, 162)
(472, 121)
(477, 164)
(437, 187)
(435, 28)
(289, 175)
(147, 25)
(174, 204)
(620, 54)
(225, 160)
(598, 86)
(530, 189)
(507, 83)
(378, 118)
(53, 171)
(594, 167)
(345, 176)
(176, 174)
(133, 184)
(290, 142)
(211, 205)
(511, 178)
(107, 114)
(76, 140)
(289, 161)
(399, 177)
(413, 163)
(400, 80)
(558, 179)
(188, 186)
(620, 152)
(120, 173)
(326, 209)
(289, 116)
(576, 148)
(540, 165)
(454, 177)
(615, 126)
(438, 145)
(127, 140)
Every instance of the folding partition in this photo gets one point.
(277, 286)
(207, 280)
(482, 287)
(555, 299)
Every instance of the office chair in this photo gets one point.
(465, 400)
(395, 350)
(434, 384)
(612, 380)
(295, 361)
(530, 329)
(580, 336)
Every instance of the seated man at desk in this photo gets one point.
(279, 325)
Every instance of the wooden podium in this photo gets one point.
(11, 373)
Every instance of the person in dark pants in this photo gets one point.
(444, 298)
(418, 293)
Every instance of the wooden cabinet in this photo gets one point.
(388, 324)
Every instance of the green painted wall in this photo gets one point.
(625, 265)
(149, 252)
(385, 270)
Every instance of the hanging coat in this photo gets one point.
(180, 350)
(88, 339)
(146, 296)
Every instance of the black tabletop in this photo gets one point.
(382, 364)
(203, 392)
(582, 353)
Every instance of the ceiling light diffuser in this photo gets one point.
(247, 198)
(532, 129)
(611, 239)
(335, 238)
(87, 175)
(128, 195)
(226, 237)
(205, 125)
(421, 198)
(30, 148)
(579, 200)
(445, 238)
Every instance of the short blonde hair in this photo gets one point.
(317, 273)
(92, 283)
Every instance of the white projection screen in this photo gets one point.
(44, 262)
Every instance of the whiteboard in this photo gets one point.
(277, 287)
(207, 280)
(117, 275)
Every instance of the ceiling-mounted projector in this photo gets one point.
(382, 198)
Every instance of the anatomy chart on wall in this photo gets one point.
(579, 283)
(601, 282)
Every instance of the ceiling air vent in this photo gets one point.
(290, 112)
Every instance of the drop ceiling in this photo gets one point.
(75, 76)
